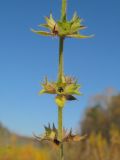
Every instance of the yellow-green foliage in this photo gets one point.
(27, 152)
(95, 147)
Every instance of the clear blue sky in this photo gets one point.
(25, 58)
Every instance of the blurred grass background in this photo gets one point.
(101, 123)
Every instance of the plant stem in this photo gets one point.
(60, 70)
(63, 11)
(60, 109)
(60, 130)
(61, 80)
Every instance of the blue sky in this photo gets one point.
(25, 58)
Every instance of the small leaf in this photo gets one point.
(43, 33)
(70, 97)
(79, 36)
(42, 91)
(54, 129)
(50, 22)
(70, 137)
(74, 16)
(72, 89)
(44, 25)
(77, 92)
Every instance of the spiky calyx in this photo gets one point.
(64, 90)
(51, 135)
(63, 28)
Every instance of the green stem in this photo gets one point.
(60, 80)
(61, 43)
(60, 70)
(60, 109)
(63, 11)
(60, 132)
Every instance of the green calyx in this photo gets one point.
(63, 28)
(64, 90)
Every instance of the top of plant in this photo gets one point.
(63, 27)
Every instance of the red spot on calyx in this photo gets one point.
(55, 31)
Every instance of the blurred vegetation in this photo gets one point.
(101, 117)
(101, 123)
(26, 152)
